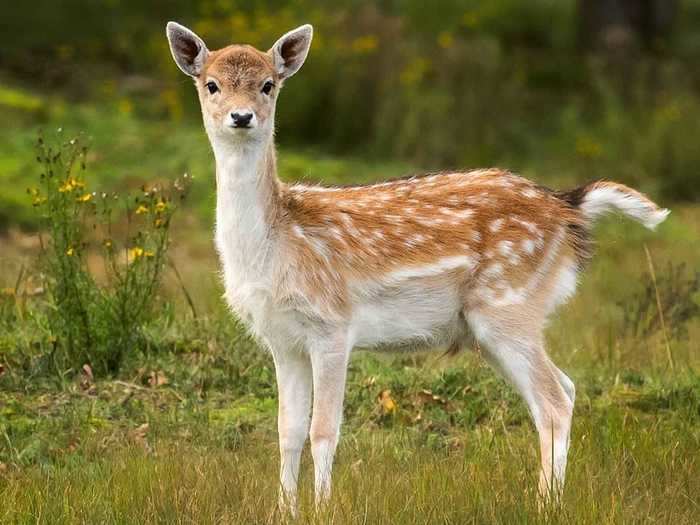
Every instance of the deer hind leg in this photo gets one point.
(515, 348)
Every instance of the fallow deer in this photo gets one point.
(417, 263)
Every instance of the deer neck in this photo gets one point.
(247, 205)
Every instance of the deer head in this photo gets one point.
(238, 85)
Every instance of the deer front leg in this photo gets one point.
(293, 370)
(329, 360)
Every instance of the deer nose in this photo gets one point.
(241, 120)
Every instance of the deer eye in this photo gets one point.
(267, 87)
(212, 87)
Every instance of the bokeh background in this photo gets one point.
(180, 427)
(564, 91)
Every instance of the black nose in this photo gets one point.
(241, 120)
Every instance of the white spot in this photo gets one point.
(505, 248)
(493, 271)
(528, 246)
(496, 225)
(443, 265)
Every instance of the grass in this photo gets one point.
(122, 454)
(185, 433)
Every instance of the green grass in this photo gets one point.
(85, 456)
(458, 449)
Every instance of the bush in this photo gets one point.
(91, 320)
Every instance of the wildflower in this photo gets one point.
(161, 206)
(148, 253)
(38, 201)
(84, 198)
(70, 252)
(386, 401)
(141, 209)
(136, 252)
(107, 243)
(70, 184)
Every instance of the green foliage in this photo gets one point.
(462, 84)
(97, 323)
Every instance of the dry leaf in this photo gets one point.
(88, 371)
(138, 436)
(86, 381)
(388, 404)
(140, 431)
(156, 378)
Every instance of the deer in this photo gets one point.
(436, 261)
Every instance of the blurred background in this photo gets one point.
(561, 90)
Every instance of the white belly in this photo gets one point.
(408, 315)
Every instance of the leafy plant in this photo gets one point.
(98, 321)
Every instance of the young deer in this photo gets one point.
(418, 263)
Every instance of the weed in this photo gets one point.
(89, 321)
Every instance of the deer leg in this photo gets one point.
(548, 392)
(329, 360)
(293, 371)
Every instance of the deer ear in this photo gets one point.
(289, 52)
(189, 51)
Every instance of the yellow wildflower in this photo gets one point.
(141, 209)
(84, 198)
(161, 206)
(136, 252)
(386, 401)
(70, 252)
(158, 223)
(70, 184)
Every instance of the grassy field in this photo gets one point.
(185, 432)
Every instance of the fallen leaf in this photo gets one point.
(88, 371)
(157, 379)
(386, 401)
(140, 431)
(86, 381)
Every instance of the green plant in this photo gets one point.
(98, 320)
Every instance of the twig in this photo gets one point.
(186, 293)
(658, 306)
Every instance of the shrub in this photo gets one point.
(98, 320)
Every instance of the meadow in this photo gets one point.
(184, 432)
(177, 424)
